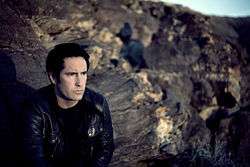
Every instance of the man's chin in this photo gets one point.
(78, 97)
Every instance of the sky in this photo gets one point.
(217, 7)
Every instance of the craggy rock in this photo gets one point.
(189, 108)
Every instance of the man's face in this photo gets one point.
(72, 79)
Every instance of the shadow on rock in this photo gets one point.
(132, 49)
(12, 95)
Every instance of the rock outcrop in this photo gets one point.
(189, 107)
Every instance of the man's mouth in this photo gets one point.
(79, 91)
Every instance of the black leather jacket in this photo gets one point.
(42, 136)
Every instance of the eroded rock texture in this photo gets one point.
(190, 107)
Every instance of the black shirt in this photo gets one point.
(73, 124)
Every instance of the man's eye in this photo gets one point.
(70, 74)
(84, 73)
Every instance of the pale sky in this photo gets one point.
(217, 7)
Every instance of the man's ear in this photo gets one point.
(52, 78)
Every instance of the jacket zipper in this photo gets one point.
(55, 148)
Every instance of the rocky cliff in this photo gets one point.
(189, 107)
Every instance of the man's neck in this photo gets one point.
(65, 104)
(62, 102)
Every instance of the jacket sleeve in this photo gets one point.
(103, 154)
(32, 128)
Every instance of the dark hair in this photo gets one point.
(55, 59)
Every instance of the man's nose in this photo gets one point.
(79, 80)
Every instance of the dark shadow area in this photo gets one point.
(12, 96)
(224, 98)
(239, 136)
(132, 49)
(243, 29)
(200, 95)
(188, 158)
(226, 103)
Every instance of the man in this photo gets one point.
(66, 124)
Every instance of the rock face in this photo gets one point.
(189, 107)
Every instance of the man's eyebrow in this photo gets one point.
(70, 72)
(73, 72)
